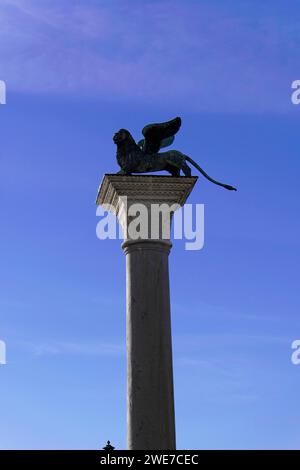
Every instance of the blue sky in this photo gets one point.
(76, 72)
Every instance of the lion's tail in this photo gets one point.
(226, 186)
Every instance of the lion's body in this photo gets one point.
(134, 160)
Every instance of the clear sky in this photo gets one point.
(75, 73)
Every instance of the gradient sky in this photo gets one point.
(76, 72)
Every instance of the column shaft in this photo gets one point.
(150, 397)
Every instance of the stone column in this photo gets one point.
(150, 396)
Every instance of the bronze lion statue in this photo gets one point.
(145, 157)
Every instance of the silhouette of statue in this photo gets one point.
(108, 447)
(145, 157)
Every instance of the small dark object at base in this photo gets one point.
(108, 447)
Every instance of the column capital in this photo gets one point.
(145, 189)
(121, 194)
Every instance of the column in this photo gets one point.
(150, 395)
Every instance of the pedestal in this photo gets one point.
(150, 396)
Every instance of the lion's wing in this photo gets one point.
(159, 135)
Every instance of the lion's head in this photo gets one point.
(123, 135)
(126, 146)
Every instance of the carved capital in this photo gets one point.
(122, 196)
